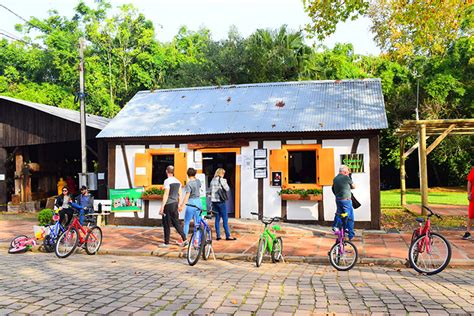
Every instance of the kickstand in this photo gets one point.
(282, 258)
(212, 251)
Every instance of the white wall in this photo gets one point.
(302, 210)
(271, 199)
(361, 180)
(248, 185)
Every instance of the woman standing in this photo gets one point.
(218, 198)
(62, 203)
(191, 197)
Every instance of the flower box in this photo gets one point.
(152, 197)
(299, 197)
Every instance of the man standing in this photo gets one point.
(169, 207)
(86, 200)
(342, 185)
(470, 198)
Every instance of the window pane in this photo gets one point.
(158, 171)
(302, 167)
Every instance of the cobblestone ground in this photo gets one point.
(42, 284)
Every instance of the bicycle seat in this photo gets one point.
(420, 219)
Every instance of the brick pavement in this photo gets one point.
(37, 284)
(301, 242)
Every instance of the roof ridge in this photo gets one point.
(264, 84)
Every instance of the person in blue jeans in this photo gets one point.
(341, 187)
(86, 201)
(218, 204)
(192, 197)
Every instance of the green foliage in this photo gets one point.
(154, 191)
(391, 198)
(45, 217)
(302, 192)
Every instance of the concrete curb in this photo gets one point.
(384, 262)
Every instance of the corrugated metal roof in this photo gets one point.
(93, 121)
(342, 105)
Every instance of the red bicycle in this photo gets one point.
(429, 252)
(89, 237)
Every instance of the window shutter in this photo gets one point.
(279, 162)
(180, 167)
(325, 166)
(142, 172)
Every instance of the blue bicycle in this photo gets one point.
(49, 241)
(201, 240)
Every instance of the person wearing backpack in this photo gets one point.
(219, 195)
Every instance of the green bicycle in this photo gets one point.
(269, 242)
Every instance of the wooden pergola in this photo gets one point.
(426, 129)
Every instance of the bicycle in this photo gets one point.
(21, 243)
(49, 241)
(196, 246)
(73, 236)
(343, 254)
(429, 252)
(269, 241)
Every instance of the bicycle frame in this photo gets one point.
(340, 239)
(424, 230)
(269, 237)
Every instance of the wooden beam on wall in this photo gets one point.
(440, 139)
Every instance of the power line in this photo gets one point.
(14, 38)
(20, 17)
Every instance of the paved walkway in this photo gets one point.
(37, 284)
(301, 242)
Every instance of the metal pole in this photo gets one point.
(83, 106)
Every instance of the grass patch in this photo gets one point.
(449, 196)
(405, 220)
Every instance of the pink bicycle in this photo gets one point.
(21, 244)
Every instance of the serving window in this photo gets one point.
(158, 168)
(150, 166)
(303, 166)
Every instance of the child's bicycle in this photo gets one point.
(429, 252)
(343, 254)
(89, 237)
(49, 241)
(21, 244)
(269, 241)
(201, 240)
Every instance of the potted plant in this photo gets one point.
(153, 193)
(301, 194)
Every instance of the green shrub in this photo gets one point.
(45, 217)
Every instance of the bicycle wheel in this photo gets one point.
(277, 249)
(261, 249)
(206, 252)
(343, 259)
(48, 243)
(93, 240)
(195, 246)
(66, 243)
(414, 236)
(16, 241)
(430, 258)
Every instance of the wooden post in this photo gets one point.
(423, 169)
(3, 179)
(403, 198)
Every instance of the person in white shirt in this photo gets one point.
(169, 208)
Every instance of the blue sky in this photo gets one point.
(216, 15)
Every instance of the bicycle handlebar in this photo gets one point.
(431, 212)
(268, 220)
(200, 209)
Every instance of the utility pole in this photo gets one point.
(83, 108)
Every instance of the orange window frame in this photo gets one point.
(303, 147)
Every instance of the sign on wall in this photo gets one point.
(276, 178)
(202, 191)
(126, 200)
(354, 161)
(260, 163)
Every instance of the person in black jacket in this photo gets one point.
(62, 203)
